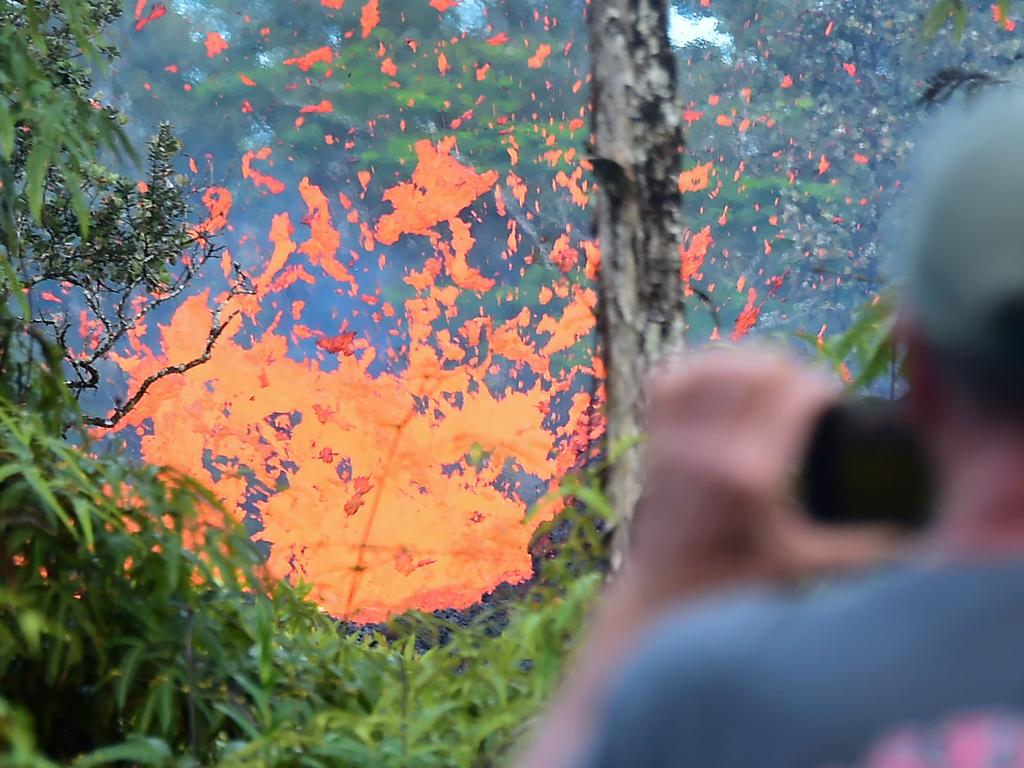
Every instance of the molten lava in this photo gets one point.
(385, 488)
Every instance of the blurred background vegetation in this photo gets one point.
(130, 633)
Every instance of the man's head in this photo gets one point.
(964, 266)
(964, 321)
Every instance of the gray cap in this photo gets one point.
(964, 258)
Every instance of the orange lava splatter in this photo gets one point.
(997, 15)
(576, 322)
(338, 345)
(324, 240)
(218, 202)
(456, 261)
(696, 179)
(537, 60)
(563, 255)
(365, 467)
(142, 18)
(692, 253)
(369, 17)
(748, 317)
(322, 107)
(440, 188)
(305, 63)
(260, 179)
(215, 44)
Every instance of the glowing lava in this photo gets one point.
(384, 487)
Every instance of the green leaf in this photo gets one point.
(595, 500)
(78, 203)
(144, 751)
(937, 18)
(129, 665)
(6, 131)
(165, 704)
(83, 513)
(46, 495)
(960, 21)
(32, 626)
(35, 179)
(8, 470)
(877, 365)
(345, 749)
(624, 445)
(237, 715)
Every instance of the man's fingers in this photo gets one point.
(764, 398)
(726, 383)
(726, 431)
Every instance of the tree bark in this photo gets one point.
(637, 157)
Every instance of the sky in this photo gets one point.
(685, 29)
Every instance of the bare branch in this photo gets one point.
(216, 330)
(117, 327)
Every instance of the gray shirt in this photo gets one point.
(918, 659)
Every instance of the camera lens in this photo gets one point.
(865, 464)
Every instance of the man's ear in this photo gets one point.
(925, 398)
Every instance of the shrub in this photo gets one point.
(136, 626)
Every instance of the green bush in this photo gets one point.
(136, 626)
(136, 623)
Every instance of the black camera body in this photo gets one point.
(866, 465)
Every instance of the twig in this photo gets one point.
(122, 410)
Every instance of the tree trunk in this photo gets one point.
(637, 157)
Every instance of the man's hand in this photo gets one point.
(727, 434)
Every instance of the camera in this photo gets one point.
(865, 464)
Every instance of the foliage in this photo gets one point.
(130, 631)
(99, 249)
(956, 11)
(865, 355)
(49, 124)
(137, 624)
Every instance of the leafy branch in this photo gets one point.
(957, 10)
(104, 246)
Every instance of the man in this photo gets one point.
(711, 650)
